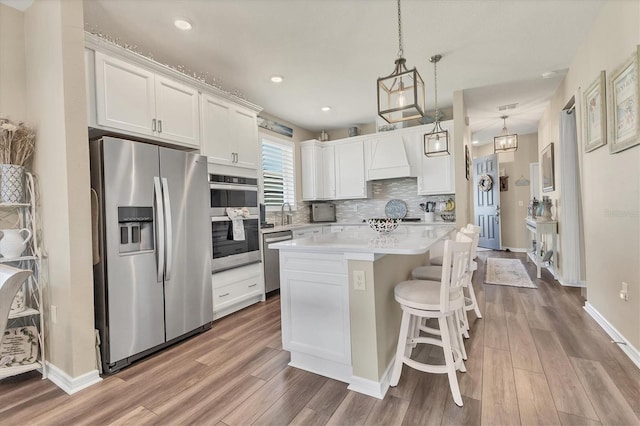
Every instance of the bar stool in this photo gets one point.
(433, 272)
(437, 260)
(422, 299)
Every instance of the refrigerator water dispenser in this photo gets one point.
(136, 229)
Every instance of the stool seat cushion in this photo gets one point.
(429, 272)
(424, 295)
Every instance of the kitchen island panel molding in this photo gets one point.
(318, 293)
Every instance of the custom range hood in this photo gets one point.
(386, 157)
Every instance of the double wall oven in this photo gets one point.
(233, 192)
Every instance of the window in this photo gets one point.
(278, 173)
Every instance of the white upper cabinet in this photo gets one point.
(177, 111)
(437, 174)
(312, 171)
(229, 133)
(328, 172)
(318, 171)
(135, 100)
(125, 95)
(350, 171)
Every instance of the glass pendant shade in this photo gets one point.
(401, 94)
(436, 143)
(505, 142)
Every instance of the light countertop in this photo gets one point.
(404, 240)
(279, 228)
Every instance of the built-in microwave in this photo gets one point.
(233, 192)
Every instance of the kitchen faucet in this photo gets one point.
(289, 215)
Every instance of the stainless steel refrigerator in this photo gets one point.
(152, 281)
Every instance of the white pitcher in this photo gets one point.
(12, 243)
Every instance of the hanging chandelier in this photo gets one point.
(436, 142)
(505, 142)
(401, 93)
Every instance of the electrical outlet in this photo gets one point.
(624, 291)
(520, 203)
(359, 281)
(54, 314)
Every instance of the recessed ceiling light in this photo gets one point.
(326, 108)
(475, 142)
(277, 79)
(182, 24)
(548, 74)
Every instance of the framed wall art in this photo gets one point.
(548, 179)
(595, 114)
(624, 112)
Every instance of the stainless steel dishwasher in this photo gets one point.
(272, 259)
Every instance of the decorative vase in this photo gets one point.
(11, 183)
(12, 243)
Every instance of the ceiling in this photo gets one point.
(331, 52)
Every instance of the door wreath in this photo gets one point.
(485, 183)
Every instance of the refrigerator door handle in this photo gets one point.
(169, 226)
(160, 247)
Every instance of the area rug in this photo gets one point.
(507, 272)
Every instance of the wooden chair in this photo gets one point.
(423, 299)
(10, 281)
(433, 272)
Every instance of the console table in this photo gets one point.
(537, 228)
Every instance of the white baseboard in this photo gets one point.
(70, 384)
(371, 387)
(581, 284)
(626, 347)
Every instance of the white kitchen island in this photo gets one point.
(339, 316)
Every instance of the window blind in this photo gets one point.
(278, 173)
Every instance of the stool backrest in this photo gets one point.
(475, 237)
(456, 254)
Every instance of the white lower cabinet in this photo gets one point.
(307, 232)
(314, 294)
(236, 289)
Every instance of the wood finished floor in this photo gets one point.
(535, 358)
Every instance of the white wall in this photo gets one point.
(12, 72)
(610, 183)
(56, 106)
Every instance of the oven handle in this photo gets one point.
(275, 240)
(226, 218)
(233, 186)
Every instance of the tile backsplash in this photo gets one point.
(382, 192)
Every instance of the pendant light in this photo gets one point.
(436, 143)
(505, 142)
(401, 93)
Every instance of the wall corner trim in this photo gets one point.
(627, 348)
(70, 384)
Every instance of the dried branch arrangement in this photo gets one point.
(17, 142)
